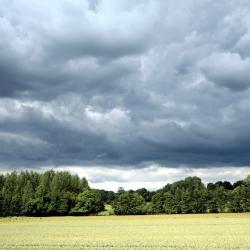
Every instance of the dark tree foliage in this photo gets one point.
(237, 184)
(158, 203)
(107, 196)
(145, 194)
(185, 196)
(169, 203)
(218, 199)
(191, 196)
(50, 193)
(129, 203)
(60, 193)
(225, 184)
(88, 202)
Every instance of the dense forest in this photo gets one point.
(60, 193)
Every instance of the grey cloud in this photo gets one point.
(36, 56)
(93, 5)
(228, 70)
(124, 84)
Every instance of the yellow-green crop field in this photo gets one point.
(208, 231)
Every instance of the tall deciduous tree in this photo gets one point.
(129, 203)
(88, 202)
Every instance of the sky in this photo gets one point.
(126, 93)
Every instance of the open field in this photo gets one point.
(208, 231)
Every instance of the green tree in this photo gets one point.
(88, 202)
(169, 203)
(235, 201)
(28, 195)
(145, 194)
(84, 185)
(244, 191)
(40, 204)
(67, 202)
(217, 201)
(158, 203)
(2, 179)
(60, 183)
(10, 201)
(194, 201)
(129, 202)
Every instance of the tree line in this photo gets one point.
(60, 193)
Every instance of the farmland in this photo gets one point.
(208, 231)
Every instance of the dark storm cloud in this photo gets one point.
(124, 84)
(228, 70)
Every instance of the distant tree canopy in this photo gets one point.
(88, 202)
(50, 193)
(60, 193)
(191, 196)
(129, 203)
(186, 196)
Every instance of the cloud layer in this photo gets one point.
(126, 84)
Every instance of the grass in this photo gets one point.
(108, 210)
(208, 231)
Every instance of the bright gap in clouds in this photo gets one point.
(153, 177)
